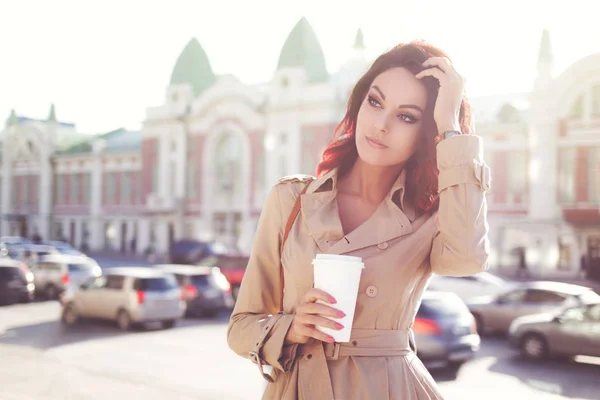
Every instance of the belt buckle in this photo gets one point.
(336, 351)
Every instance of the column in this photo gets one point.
(45, 192)
(96, 228)
(7, 179)
(143, 237)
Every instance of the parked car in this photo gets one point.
(64, 248)
(54, 273)
(566, 333)
(467, 287)
(495, 313)
(205, 289)
(15, 240)
(127, 295)
(191, 252)
(445, 331)
(14, 285)
(233, 266)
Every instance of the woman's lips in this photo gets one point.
(375, 143)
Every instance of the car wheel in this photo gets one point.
(69, 315)
(534, 346)
(453, 367)
(124, 320)
(51, 292)
(479, 324)
(168, 324)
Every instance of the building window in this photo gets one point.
(140, 187)
(25, 190)
(111, 182)
(60, 189)
(596, 101)
(517, 173)
(566, 175)
(125, 188)
(87, 188)
(594, 175)
(228, 160)
(155, 178)
(576, 111)
(73, 196)
(191, 177)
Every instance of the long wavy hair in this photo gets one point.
(421, 168)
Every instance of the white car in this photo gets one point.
(127, 295)
(468, 287)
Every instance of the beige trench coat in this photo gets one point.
(400, 251)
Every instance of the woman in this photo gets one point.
(402, 185)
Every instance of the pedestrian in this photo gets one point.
(583, 265)
(402, 185)
(522, 270)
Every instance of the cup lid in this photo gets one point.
(338, 257)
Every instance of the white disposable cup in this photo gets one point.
(339, 276)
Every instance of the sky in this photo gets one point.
(102, 63)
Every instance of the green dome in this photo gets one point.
(193, 67)
(302, 49)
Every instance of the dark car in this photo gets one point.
(445, 331)
(14, 286)
(205, 289)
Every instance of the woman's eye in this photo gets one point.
(407, 118)
(373, 102)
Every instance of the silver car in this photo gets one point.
(445, 331)
(495, 313)
(54, 273)
(127, 295)
(571, 332)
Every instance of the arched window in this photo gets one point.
(576, 111)
(228, 165)
(596, 101)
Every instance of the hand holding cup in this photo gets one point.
(310, 314)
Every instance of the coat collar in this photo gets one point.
(320, 210)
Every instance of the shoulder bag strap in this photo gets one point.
(288, 228)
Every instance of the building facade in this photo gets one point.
(203, 161)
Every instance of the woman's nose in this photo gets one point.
(380, 126)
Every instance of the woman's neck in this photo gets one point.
(368, 182)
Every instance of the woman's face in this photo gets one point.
(390, 117)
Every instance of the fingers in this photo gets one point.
(320, 309)
(317, 294)
(316, 320)
(442, 63)
(436, 73)
(309, 331)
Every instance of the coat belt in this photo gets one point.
(312, 357)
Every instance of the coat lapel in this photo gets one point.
(321, 214)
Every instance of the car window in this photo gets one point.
(515, 296)
(574, 314)
(443, 306)
(158, 284)
(48, 266)
(115, 282)
(79, 267)
(10, 273)
(97, 283)
(594, 313)
(543, 296)
(200, 280)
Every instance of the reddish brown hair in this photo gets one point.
(422, 172)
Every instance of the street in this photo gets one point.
(41, 359)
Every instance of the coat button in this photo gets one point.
(371, 291)
(383, 246)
